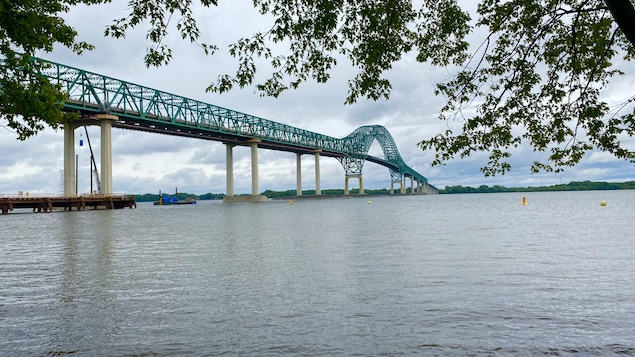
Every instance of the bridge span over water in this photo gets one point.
(110, 102)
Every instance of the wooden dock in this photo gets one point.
(48, 204)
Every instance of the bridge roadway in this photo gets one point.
(110, 102)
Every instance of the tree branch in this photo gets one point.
(624, 14)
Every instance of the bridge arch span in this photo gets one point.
(137, 107)
(358, 144)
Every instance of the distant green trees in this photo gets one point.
(572, 186)
(151, 197)
(328, 192)
(535, 77)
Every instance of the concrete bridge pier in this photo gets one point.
(105, 123)
(298, 174)
(255, 195)
(392, 186)
(69, 161)
(70, 181)
(318, 191)
(254, 167)
(229, 170)
(361, 183)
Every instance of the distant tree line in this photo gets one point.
(328, 192)
(151, 197)
(572, 186)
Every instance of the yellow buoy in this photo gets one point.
(369, 202)
(290, 202)
(603, 203)
(524, 202)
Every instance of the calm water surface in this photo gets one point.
(469, 275)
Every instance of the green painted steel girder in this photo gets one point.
(94, 93)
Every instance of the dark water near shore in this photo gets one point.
(419, 275)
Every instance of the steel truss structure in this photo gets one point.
(147, 109)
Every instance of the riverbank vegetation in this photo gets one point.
(515, 73)
(572, 186)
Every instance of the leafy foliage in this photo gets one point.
(372, 34)
(536, 80)
(27, 102)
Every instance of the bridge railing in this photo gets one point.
(92, 92)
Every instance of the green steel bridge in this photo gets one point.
(151, 110)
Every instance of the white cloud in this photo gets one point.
(145, 162)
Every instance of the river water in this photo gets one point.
(471, 275)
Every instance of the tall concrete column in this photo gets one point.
(254, 167)
(298, 174)
(254, 197)
(361, 185)
(69, 161)
(412, 185)
(318, 191)
(106, 152)
(229, 169)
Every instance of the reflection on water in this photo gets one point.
(437, 275)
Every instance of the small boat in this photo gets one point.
(165, 200)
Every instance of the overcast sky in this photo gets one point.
(147, 163)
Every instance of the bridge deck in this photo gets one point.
(147, 109)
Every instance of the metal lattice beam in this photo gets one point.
(148, 109)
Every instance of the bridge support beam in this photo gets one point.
(298, 174)
(412, 185)
(105, 124)
(69, 161)
(392, 187)
(254, 167)
(70, 178)
(229, 170)
(229, 155)
(361, 183)
(318, 191)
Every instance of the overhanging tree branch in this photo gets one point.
(624, 14)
